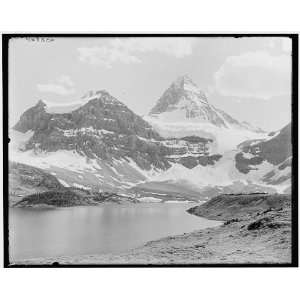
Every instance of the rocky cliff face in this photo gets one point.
(103, 128)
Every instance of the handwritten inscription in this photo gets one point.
(40, 39)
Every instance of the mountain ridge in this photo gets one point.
(104, 145)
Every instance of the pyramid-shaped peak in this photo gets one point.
(182, 94)
(184, 79)
(188, 85)
(40, 103)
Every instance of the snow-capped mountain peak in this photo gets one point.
(183, 109)
(186, 83)
(184, 101)
(183, 94)
(103, 94)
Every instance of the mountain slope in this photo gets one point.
(25, 180)
(274, 152)
(275, 149)
(260, 165)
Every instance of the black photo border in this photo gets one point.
(5, 70)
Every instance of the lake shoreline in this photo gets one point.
(108, 228)
(269, 240)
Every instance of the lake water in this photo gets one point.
(96, 230)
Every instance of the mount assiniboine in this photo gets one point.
(185, 149)
(183, 110)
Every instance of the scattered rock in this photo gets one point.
(258, 224)
(231, 221)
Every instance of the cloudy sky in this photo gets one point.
(249, 78)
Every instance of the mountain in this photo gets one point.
(183, 109)
(99, 144)
(274, 154)
(183, 100)
(255, 166)
(103, 128)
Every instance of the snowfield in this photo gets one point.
(224, 139)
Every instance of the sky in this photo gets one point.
(249, 77)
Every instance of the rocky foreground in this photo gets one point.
(256, 229)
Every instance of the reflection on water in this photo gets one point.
(95, 230)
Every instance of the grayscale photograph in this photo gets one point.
(171, 150)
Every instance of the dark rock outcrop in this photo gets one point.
(35, 118)
(193, 161)
(275, 150)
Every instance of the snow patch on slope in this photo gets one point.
(63, 182)
(225, 139)
(73, 169)
(80, 186)
(60, 108)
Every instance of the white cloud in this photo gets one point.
(255, 74)
(105, 56)
(127, 50)
(65, 80)
(63, 85)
